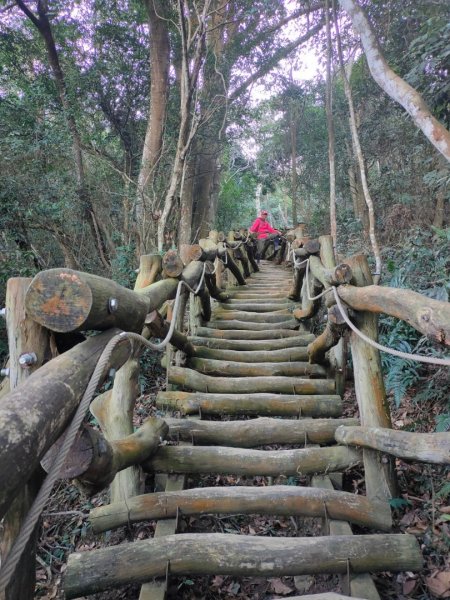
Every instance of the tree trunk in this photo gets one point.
(394, 85)
(330, 128)
(159, 85)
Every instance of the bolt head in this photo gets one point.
(113, 305)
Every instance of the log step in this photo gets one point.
(298, 342)
(238, 461)
(251, 307)
(244, 325)
(238, 334)
(229, 554)
(257, 356)
(283, 405)
(256, 432)
(248, 385)
(280, 500)
(227, 368)
(252, 317)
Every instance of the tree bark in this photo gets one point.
(272, 500)
(239, 334)
(430, 317)
(269, 463)
(212, 553)
(227, 368)
(249, 346)
(330, 128)
(423, 447)
(36, 413)
(268, 404)
(248, 385)
(159, 86)
(150, 268)
(394, 85)
(253, 356)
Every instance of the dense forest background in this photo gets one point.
(135, 126)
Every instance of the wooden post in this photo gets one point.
(370, 391)
(25, 339)
(150, 267)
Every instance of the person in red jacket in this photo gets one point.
(263, 228)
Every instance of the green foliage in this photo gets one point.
(123, 266)
(419, 262)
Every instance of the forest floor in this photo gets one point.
(422, 509)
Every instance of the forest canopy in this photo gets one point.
(132, 126)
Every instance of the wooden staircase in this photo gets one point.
(249, 361)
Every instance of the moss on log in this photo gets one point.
(273, 500)
(227, 554)
(287, 405)
(248, 385)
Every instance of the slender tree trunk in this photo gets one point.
(294, 178)
(330, 127)
(394, 85)
(42, 24)
(359, 157)
(159, 86)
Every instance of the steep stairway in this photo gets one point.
(250, 368)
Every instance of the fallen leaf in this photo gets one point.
(439, 584)
(279, 587)
(408, 586)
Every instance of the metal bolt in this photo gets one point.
(4, 372)
(27, 359)
(3, 312)
(113, 305)
(112, 373)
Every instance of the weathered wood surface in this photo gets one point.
(330, 277)
(35, 414)
(95, 461)
(256, 356)
(256, 432)
(25, 337)
(357, 584)
(227, 554)
(430, 317)
(239, 334)
(150, 268)
(309, 307)
(272, 500)
(287, 405)
(228, 368)
(334, 329)
(172, 265)
(248, 385)
(295, 343)
(247, 326)
(370, 391)
(238, 461)
(158, 327)
(277, 316)
(423, 447)
(64, 300)
(251, 307)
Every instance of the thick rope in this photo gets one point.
(29, 523)
(407, 356)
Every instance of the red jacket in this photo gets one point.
(262, 228)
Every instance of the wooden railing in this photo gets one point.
(51, 361)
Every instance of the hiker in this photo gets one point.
(263, 228)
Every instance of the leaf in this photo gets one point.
(279, 587)
(439, 584)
